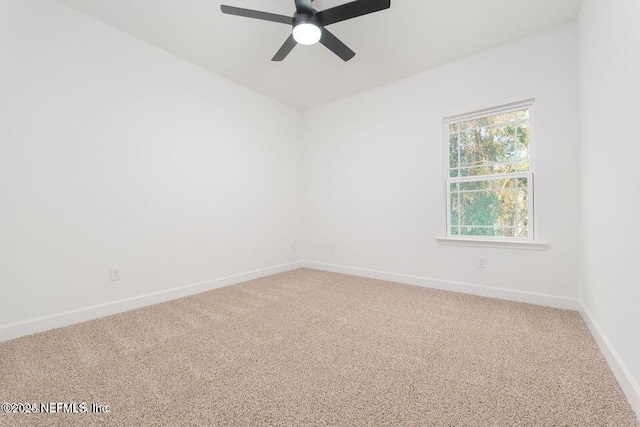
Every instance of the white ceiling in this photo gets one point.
(412, 36)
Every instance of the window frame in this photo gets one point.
(529, 175)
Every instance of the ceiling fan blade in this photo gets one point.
(256, 14)
(351, 10)
(336, 46)
(304, 6)
(287, 47)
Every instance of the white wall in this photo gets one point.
(609, 39)
(115, 153)
(375, 169)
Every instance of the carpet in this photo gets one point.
(308, 347)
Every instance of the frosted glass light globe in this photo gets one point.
(306, 33)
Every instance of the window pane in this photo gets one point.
(491, 184)
(488, 208)
(454, 208)
(454, 231)
(453, 152)
(523, 147)
(506, 232)
(504, 140)
(487, 169)
(470, 124)
(486, 151)
(497, 119)
(488, 231)
(477, 231)
(497, 207)
(490, 145)
(523, 208)
(523, 115)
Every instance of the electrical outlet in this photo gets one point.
(482, 262)
(115, 274)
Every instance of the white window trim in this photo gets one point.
(530, 243)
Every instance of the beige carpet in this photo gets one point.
(316, 348)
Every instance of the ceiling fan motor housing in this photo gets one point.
(305, 18)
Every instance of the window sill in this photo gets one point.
(487, 243)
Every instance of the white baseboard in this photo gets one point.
(447, 285)
(627, 383)
(40, 324)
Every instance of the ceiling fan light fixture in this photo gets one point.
(309, 25)
(307, 33)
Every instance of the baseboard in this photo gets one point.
(627, 383)
(447, 285)
(40, 324)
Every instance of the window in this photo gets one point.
(490, 174)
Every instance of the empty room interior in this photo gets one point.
(327, 212)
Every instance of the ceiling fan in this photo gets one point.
(308, 25)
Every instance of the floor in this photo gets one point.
(315, 348)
